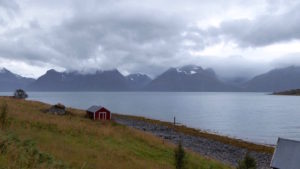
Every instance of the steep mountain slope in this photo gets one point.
(111, 80)
(138, 81)
(10, 81)
(275, 80)
(188, 78)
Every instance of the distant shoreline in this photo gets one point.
(293, 92)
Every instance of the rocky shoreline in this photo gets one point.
(207, 147)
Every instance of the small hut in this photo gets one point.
(98, 113)
(58, 109)
(20, 94)
(286, 155)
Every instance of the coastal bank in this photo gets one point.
(222, 148)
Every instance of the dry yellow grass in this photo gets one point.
(82, 143)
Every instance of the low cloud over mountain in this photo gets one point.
(148, 36)
(180, 79)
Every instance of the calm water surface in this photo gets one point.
(257, 117)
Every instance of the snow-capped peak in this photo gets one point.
(178, 70)
(136, 75)
(140, 74)
(5, 71)
(189, 69)
(192, 72)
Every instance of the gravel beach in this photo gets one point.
(207, 147)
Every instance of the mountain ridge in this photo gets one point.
(110, 80)
(187, 78)
(275, 80)
(10, 81)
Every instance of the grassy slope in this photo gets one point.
(82, 143)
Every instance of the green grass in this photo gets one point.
(73, 141)
(17, 153)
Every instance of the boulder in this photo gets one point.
(58, 109)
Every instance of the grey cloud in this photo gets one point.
(132, 36)
(130, 40)
(25, 44)
(9, 5)
(287, 60)
(8, 9)
(261, 31)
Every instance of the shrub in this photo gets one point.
(180, 157)
(247, 163)
(20, 94)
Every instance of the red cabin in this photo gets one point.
(98, 113)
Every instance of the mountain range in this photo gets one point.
(275, 80)
(111, 80)
(188, 78)
(10, 81)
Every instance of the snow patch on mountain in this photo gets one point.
(189, 70)
(192, 72)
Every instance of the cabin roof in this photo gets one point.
(286, 155)
(94, 108)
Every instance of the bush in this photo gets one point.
(20, 94)
(247, 163)
(180, 157)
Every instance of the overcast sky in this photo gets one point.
(234, 37)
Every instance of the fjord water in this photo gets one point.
(257, 117)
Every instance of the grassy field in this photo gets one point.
(35, 139)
